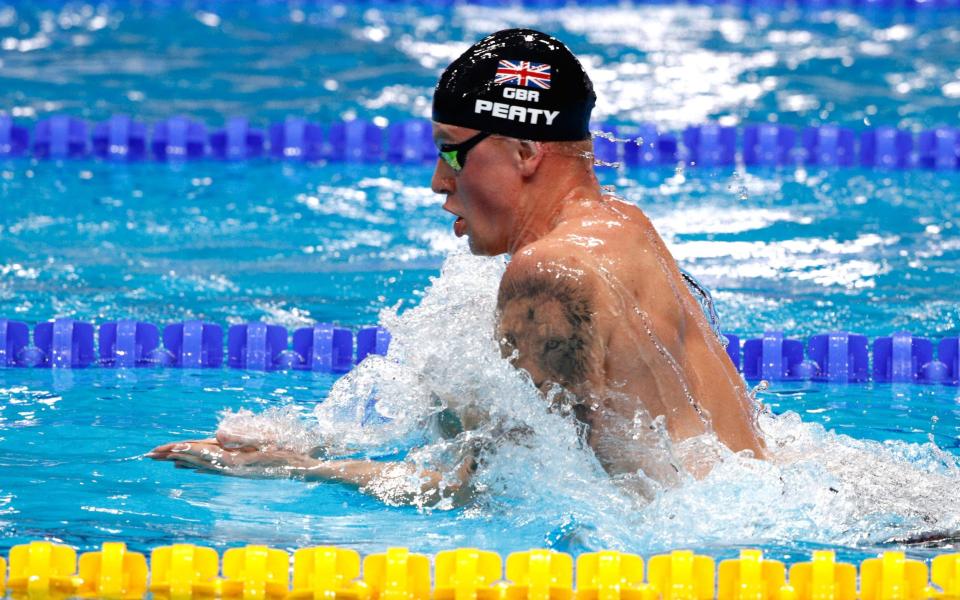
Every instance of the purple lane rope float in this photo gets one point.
(835, 357)
(69, 344)
(121, 138)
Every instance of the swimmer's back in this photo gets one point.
(654, 346)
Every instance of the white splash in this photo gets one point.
(815, 486)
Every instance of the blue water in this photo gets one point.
(70, 444)
(663, 64)
(869, 251)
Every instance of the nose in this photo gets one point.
(443, 180)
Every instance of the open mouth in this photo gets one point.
(459, 227)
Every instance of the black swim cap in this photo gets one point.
(520, 83)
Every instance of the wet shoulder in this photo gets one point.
(600, 227)
(552, 270)
(619, 244)
(548, 314)
(555, 257)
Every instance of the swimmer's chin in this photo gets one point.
(483, 252)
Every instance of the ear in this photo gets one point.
(530, 154)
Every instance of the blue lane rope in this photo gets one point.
(68, 343)
(180, 138)
(836, 357)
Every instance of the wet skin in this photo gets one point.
(598, 306)
(593, 301)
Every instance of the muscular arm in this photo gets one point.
(557, 321)
(547, 322)
(396, 481)
(400, 482)
(603, 312)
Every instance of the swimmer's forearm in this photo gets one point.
(364, 473)
(357, 472)
(375, 477)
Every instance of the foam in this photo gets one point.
(816, 486)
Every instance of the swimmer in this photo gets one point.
(591, 300)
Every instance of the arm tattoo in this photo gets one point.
(549, 322)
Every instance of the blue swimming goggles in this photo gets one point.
(455, 155)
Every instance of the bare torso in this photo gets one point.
(599, 307)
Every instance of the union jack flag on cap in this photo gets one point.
(519, 83)
(523, 73)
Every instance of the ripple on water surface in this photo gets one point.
(72, 447)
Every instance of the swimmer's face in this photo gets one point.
(481, 195)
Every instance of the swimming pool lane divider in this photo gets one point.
(836, 357)
(67, 343)
(180, 138)
(41, 570)
(843, 357)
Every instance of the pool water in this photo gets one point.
(71, 445)
(803, 251)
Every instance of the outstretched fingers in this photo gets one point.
(211, 456)
(192, 447)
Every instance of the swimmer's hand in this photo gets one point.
(244, 460)
(230, 439)
(394, 482)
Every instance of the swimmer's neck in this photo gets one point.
(545, 202)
